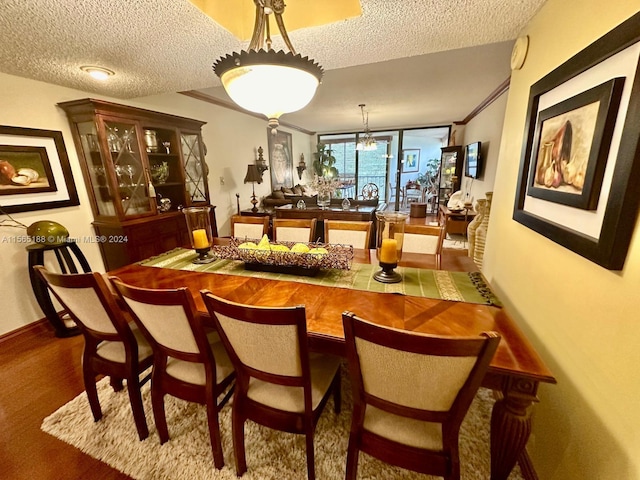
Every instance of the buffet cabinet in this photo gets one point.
(451, 162)
(140, 168)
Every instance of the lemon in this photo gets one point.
(300, 248)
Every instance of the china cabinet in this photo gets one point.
(451, 162)
(140, 168)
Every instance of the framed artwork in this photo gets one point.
(571, 145)
(577, 182)
(411, 162)
(34, 170)
(280, 159)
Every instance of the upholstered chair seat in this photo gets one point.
(407, 431)
(115, 351)
(291, 399)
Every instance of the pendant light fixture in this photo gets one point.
(266, 81)
(366, 141)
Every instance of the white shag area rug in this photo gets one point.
(455, 241)
(271, 455)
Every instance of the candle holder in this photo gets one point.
(199, 224)
(389, 240)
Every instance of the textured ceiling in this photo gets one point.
(161, 46)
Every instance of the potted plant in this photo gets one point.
(323, 162)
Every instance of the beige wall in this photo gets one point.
(486, 127)
(582, 318)
(231, 137)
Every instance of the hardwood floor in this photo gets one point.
(39, 373)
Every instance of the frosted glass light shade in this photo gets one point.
(268, 82)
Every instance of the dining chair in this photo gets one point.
(294, 230)
(279, 383)
(353, 233)
(411, 392)
(413, 193)
(112, 345)
(248, 227)
(369, 191)
(189, 361)
(424, 239)
(393, 191)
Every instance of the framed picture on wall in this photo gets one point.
(34, 170)
(411, 163)
(280, 159)
(597, 92)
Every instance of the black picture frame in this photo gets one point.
(280, 159)
(607, 243)
(593, 112)
(45, 151)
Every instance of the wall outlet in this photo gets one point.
(221, 180)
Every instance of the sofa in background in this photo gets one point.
(286, 196)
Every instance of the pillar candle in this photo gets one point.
(389, 251)
(200, 239)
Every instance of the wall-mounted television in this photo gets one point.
(473, 160)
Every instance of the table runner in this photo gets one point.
(468, 287)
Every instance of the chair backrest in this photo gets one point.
(169, 321)
(247, 227)
(424, 239)
(357, 234)
(90, 302)
(426, 377)
(266, 343)
(370, 190)
(294, 230)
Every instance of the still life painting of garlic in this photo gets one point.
(22, 176)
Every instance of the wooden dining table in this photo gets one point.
(515, 373)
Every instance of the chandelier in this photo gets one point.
(366, 141)
(266, 81)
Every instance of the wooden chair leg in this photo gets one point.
(159, 416)
(237, 426)
(352, 458)
(214, 433)
(311, 466)
(116, 384)
(92, 393)
(337, 393)
(135, 398)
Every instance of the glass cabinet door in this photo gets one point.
(448, 178)
(96, 169)
(195, 170)
(127, 167)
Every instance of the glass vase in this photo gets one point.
(324, 200)
(389, 240)
(199, 226)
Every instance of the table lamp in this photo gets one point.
(253, 175)
(389, 239)
(199, 226)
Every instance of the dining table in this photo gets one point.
(515, 372)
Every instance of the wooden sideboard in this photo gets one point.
(456, 222)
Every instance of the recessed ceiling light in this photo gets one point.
(98, 73)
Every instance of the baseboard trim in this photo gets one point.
(34, 328)
(526, 466)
